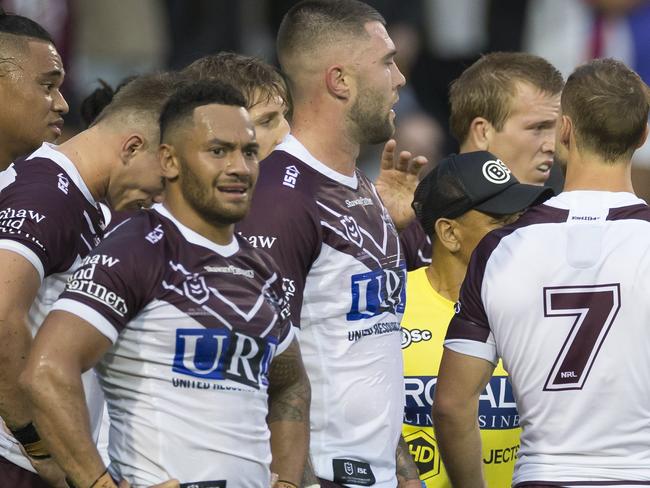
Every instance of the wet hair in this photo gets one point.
(486, 89)
(252, 76)
(184, 100)
(20, 26)
(608, 104)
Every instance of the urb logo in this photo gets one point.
(376, 292)
(217, 354)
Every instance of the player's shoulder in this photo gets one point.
(38, 179)
(143, 232)
(285, 174)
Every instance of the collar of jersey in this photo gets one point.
(294, 147)
(608, 198)
(49, 151)
(196, 238)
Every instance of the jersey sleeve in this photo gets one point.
(35, 222)
(284, 224)
(469, 330)
(114, 282)
(416, 246)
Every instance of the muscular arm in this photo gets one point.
(288, 419)
(65, 346)
(461, 380)
(406, 469)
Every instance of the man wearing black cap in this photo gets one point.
(460, 201)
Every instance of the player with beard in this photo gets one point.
(561, 297)
(187, 324)
(322, 221)
(507, 104)
(49, 221)
(31, 74)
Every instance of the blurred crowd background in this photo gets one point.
(436, 41)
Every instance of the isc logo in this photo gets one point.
(217, 354)
(290, 176)
(376, 292)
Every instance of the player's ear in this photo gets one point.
(168, 161)
(446, 232)
(338, 82)
(133, 144)
(566, 127)
(643, 137)
(480, 134)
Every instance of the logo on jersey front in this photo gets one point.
(413, 336)
(352, 230)
(424, 450)
(196, 289)
(376, 292)
(495, 171)
(219, 354)
(497, 408)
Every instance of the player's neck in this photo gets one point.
(324, 135)
(88, 152)
(586, 171)
(445, 273)
(182, 211)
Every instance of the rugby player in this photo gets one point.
(31, 74)
(458, 202)
(49, 221)
(322, 221)
(561, 297)
(507, 104)
(187, 323)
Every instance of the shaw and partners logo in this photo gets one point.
(376, 292)
(496, 408)
(219, 354)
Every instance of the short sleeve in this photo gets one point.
(469, 330)
(114, 282)
(284, 223)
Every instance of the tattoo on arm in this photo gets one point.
(289, 389)
(309, 477)
(406, 467)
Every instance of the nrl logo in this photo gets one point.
(196, 289)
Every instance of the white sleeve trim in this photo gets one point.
(287, 340)
(25, 252)
(90, 315)
(482, 350)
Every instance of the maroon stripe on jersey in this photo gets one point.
(470, 309)
(13, 476)
(632, 212)
(416, 246)
(552, 484)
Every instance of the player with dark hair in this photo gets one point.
(197, 354)
(458, 202)
(263, 87)
(49, 221)
(322, 221)
(507, 103)
(561, 297)
(31, 74)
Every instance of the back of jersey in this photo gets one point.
(564, 296)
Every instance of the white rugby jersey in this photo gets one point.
(195, 326)
(561, 296)
(48, 216)
(344, 274)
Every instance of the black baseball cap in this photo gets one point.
(472, 181)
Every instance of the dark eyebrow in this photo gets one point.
(390, 54)
(55, 73)
(252, 146)
(219, 142)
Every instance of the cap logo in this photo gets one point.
(495, 171)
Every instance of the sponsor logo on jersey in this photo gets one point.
(363, 201)
(352, 472)
(264, 242)
(410, 336)
(63, 183)
(219, 354)
(15, 218)
(497, 409)
(81, 283)
(424, 450)
(156, 234)
(495, 171)
(377, 292)
(248, 273)
(377, 329)
(291, 174)
(102, 259)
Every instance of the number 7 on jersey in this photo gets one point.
(595, 308)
